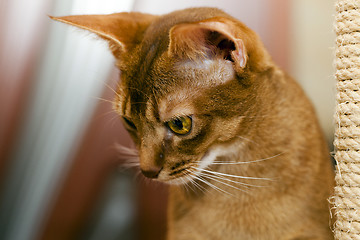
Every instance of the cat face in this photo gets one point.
(181, 120)
(186, 90)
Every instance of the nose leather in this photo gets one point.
(152, 172)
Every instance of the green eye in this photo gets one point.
(180, 125)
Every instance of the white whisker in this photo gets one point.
(104, 100)
(129, 156)
(229, 185)
(127, 150)
(198, 186)
(194, 183)
(212, 185)
(185, 184)
(233, 176)
(110, 88)
(246, 185)
(238, 163)
(247, 139)
(111, 117)
(129, 165)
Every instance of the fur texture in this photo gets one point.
(255, 164)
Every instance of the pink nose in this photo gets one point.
(152, 172)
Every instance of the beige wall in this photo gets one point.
(311, 46)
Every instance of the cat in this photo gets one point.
(211, 114)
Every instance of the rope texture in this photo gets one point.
(347, 118)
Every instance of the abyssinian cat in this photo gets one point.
(213, 116)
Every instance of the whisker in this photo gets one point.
(129, 156)
(246, 185)
(247, 139)
(112, 90)
(229, 185)
(111, 117)
(104, 100)
(212, 185)
(254, 161)
(131, 162)
(233, 176)
(112, 111)
(127, 150)
(198, 186)
(193, 182)
(113, 120)
(109, 121)
(130, 159)
(184, 184)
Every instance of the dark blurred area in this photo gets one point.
(60, 175)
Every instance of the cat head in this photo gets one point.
(189, 84)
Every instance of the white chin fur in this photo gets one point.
(218, 151)
(210, 156)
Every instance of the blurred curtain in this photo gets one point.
(51, 79)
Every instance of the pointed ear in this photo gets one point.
(123, 31)
(211, 38)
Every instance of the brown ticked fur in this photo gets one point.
(205, 64)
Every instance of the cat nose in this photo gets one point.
(152, 172)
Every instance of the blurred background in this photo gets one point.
(59, 172)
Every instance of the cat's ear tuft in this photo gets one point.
(123, 31)
(208, 39)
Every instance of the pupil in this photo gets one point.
(178, 124)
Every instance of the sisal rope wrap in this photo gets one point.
(347, 118)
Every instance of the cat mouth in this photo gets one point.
(185, 171)
(182, 173)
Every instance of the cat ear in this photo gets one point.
(211, 38)
(123, 31)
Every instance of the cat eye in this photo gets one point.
(129, 123)
(180, 125)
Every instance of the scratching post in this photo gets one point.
(347, 118)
